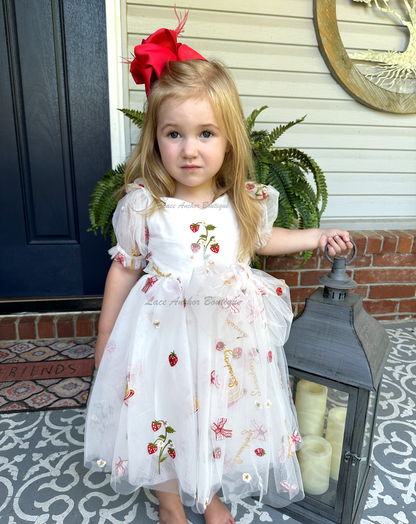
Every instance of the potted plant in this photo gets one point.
(288, 170)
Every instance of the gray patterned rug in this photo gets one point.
(43, 481)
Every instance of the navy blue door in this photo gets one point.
(54, 146)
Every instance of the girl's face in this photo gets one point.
(191, 143)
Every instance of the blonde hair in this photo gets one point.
(198, 79)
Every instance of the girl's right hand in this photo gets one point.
(337, 240)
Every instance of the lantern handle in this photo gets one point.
(354, 254)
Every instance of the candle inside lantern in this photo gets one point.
(335, 436)
(310, 406)
(315, 464)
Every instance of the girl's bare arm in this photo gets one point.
(285, 241)
(119, 283)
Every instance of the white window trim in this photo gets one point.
(117, 78)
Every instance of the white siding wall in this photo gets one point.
(368, 156)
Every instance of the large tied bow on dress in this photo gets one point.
(152, 55)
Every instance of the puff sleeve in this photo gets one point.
(270, 208)
(130, 227)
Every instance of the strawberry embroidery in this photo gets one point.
(203, 238)
(279, 291)
(156, 425)
(269, 356)
(259, 452)
(216, 453)
(237, 352)
(219, 346)
(151, 448)
(173, 359)
(162, 443)
(260, 190)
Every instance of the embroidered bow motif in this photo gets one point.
(149, 283)
(231, 303)
(228, 463)
(120, 467)
(287, 486)
(215, 380)
(296, 437)
(220, 432)
(259, 431)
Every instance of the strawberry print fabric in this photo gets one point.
(194, 394)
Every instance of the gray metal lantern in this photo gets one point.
(336, 353)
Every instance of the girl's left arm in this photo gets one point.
(285, 241)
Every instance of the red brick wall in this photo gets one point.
(49, 326)
(384, 269)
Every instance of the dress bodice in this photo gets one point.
(183, 236)
(180, 237)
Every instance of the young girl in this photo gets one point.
(192, 392)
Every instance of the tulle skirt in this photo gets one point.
(193, 393)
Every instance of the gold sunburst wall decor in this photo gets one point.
(389, 70)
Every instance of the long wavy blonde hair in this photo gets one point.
(199, 79)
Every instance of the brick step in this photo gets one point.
(47, 326)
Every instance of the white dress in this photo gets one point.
(192, 394)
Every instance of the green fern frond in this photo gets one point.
(308, 165)
(137, 117)
(251, 119)
(104, 201)
(278, 132)
(262, 170)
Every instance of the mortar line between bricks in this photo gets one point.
(52, 313)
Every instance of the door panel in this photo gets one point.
(54, 146)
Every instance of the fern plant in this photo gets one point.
(104, 197)
(104, 202)
(288, 170)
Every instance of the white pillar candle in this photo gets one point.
(335, 436)
(310, 406)
(315, 463)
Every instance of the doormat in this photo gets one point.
(45, 375)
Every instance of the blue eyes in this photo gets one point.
(204, 134)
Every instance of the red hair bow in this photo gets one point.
(152, 55)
